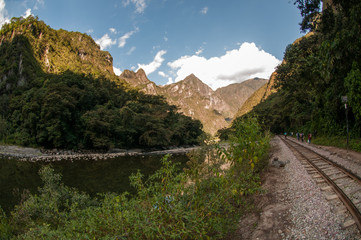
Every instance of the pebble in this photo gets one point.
(311, 215)
(26, 154)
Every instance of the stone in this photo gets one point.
(278, 164)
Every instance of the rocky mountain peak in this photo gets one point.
(135, 78)
(196, 99)
(191, 82)
(127, 74)
(142, 77)
(192, 79)
(140, 81)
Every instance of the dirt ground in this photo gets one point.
(269, 217)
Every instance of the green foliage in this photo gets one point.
(317, 71)
(309, 10)
(67, 101)
(4, 129)
(5, 229)
(204, 201)
(248, 147)
(353, 85)
(51, 208)
(72, 100)
(339, 141)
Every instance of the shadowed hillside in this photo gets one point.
(58, 90)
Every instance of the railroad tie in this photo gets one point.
(326, 188)
(317, 176)
(339, 177)
(348, 223)
(331, 197)
(326, 168)
(320, 180)
(341, 210)
(351, 192)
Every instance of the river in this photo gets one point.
(88, 175)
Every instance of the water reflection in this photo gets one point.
(91, 176)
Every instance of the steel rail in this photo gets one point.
(342, 196)
(340, 167)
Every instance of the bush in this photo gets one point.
(248, 146)
(341, 142)
(204, 201)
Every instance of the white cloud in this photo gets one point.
(170, 80)
(3, 13)
(140, 5)
(39, 3)
(131, 50)
(234, 66)
(199, 51)
(27, 13)
(155, 64)
(160, 73)
(105, 42)
(123, 39)
(117, 71)
(204, 10)
(113, 30)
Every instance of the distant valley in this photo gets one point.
(215, 109)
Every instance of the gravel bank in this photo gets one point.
(33, 155)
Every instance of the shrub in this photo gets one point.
(204, 201)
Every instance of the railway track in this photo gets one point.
(345, 185)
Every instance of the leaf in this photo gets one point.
(252, 165)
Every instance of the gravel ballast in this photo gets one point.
(311, 215)
(293, 205)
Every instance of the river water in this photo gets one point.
(90, 176)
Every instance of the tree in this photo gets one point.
(353, 84)
(309, 11)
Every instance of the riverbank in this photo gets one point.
(34, 154)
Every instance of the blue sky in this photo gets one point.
(220, 41)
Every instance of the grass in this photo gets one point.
(339, 141)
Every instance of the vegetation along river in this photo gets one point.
(87, 175)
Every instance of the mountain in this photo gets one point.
(215, 109)
(266, 90)
(259, 95)
(54, 50)
(140, 81)
(58, 90)
(199, 101)
(237, 93)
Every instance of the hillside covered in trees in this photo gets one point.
(317, 71)
(58, 89)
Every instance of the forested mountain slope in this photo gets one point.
(58, 89)
(317, 73)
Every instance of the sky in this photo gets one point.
(220, 41)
